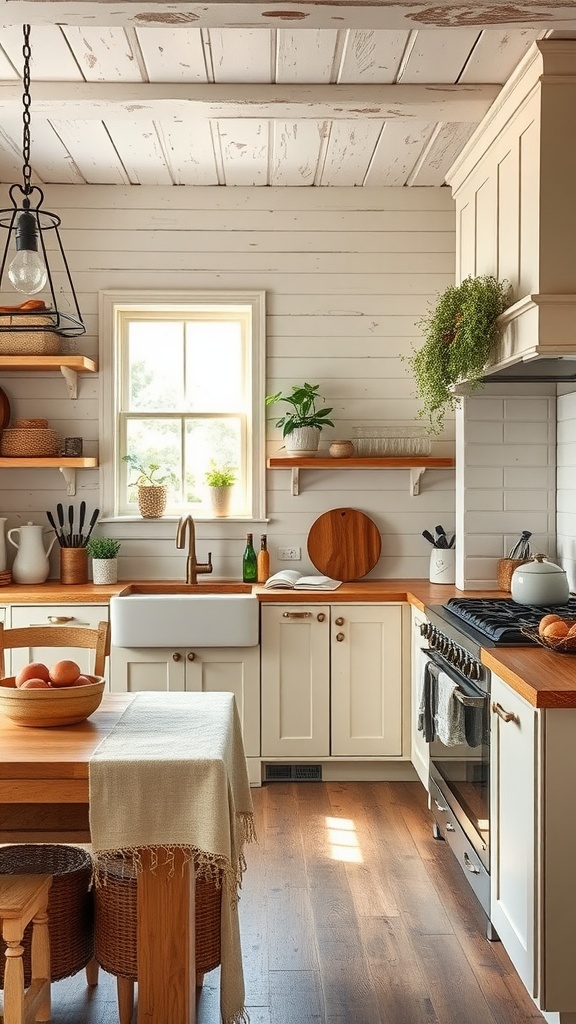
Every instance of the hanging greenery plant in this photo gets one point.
(460, 332)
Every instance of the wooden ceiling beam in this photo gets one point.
(88, 101)
(375, 14)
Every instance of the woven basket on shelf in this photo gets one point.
(506, 567)
(115, 921)
(29, 443)
(28, 343)
(70, 906)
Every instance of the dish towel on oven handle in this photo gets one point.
(427, 679)
(449, 720)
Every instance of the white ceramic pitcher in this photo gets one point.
(2, 546)
(31, 564)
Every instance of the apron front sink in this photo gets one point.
(183, 616)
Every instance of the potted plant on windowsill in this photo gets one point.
(301, 426)
(460, 332)
(103, 552)
(152, 488)
(220, 480)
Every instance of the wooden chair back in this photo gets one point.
(58, 636)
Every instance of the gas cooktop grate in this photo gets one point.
(501, 619)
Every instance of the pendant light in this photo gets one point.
(26, 260)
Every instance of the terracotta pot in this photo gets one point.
(152, 501)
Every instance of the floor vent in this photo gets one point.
(293, 773)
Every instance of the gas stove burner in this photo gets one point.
(501, 619)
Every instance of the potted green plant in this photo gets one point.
(302, 424)
(103, 552)
(152, 487)
(460, 332)
(220, 480)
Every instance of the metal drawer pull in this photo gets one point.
(339, 621)
(506, 716)
(340, 637)
(176, 656)
(469, 702)
(321, 617)
(471, 867)
(190, 655)
(60, 618)
(296, 615)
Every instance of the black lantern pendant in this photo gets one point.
(28, 270)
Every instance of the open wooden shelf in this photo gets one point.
(416, 465)
(66, 466)
(69, 367)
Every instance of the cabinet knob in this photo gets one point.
(176, 656)
(190, 655)
(339, 621)
(321, 617)
(340, 637)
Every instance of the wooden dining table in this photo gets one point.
(44, 797)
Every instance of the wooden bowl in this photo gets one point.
(62, 705)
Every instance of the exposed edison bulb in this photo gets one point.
(27, 271)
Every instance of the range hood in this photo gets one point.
(537, 341)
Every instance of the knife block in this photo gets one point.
(73, 565)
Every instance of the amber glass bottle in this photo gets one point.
(263, 560)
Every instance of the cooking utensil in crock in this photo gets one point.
(540, 582)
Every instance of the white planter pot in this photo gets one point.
(221, 500)
(303, 441)
(104, 570)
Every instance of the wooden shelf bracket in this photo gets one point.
(70, 478)
(415, 474)
(295, 481)
(71, 378)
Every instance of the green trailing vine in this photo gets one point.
(460, 332)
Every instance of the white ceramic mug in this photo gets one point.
(442, 565)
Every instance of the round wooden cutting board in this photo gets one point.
(4, 410)
(344, 544)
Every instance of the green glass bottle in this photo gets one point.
(249, 563)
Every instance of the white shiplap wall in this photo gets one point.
(566, 483)
(347, 274)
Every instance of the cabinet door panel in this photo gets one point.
(420, 750)
(295, 681)
(366, 654)
(42, 615)
(235, 670)
(513, 820)
(133, 670)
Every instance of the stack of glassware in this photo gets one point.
(390, 440)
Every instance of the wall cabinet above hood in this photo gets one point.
(515, 191)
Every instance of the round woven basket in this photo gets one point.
(115, 904)
(29, 443)
(152, 501)
(28, 343)
(70, 905)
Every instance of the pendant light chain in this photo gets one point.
(26, 101)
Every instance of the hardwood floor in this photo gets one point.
(351, 913)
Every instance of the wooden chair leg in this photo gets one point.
(14, 982)
(92, 972)
(125, 991)
(41, 965)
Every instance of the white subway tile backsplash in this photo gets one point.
(478, 476)
(484, 432)
(535, 476)
(526, 408)
(507, 455)
(521, 432)
(484, 499)
(536, 500)
(485, 410)
(507, 522)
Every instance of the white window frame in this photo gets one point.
(114, 302)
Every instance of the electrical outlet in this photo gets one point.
(289, 554)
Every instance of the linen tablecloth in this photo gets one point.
(172, 775)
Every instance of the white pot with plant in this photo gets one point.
(152, 488)
(220, 480)
(301, 426)
(103, 552)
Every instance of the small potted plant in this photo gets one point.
(460, 332)
(302, 424)
(152, 488)
(220, 480)
(103, 552)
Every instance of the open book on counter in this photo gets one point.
(291, 579)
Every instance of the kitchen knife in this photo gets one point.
(81, 524)
(50, 518)
(70, 526)
(428, 536)
(60, 514)
(92, 524)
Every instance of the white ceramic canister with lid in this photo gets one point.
(539, 582)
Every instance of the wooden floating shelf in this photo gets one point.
(66, 466)
(69, 367)
(417, 466)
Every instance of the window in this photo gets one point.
(184, 389)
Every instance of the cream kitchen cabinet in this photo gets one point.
(203, 669)
(332, 680)
(88, 615)
(419, 748)
(533, 845)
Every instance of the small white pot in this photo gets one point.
(540, 582)
(221, 500)
(104, 570)
(303, 441)
(442, 565)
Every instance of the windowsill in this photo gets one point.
(136, 527)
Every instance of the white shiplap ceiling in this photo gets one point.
(183, 94)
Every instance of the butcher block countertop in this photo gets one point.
(543, 678)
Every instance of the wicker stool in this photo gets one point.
(115, 929)
(70, 906)
(23, 903)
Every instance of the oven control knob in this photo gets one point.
(467, 668)
(476, 670)
(424, 629)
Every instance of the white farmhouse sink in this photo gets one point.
(183, 616)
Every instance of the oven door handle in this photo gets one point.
(476, 699)
(469, 702)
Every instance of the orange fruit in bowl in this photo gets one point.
(64, 673)
(556, 630)
(34, 684)
(82, 680)
(35, 670)
(547, 621)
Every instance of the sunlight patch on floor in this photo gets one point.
(343, 840)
